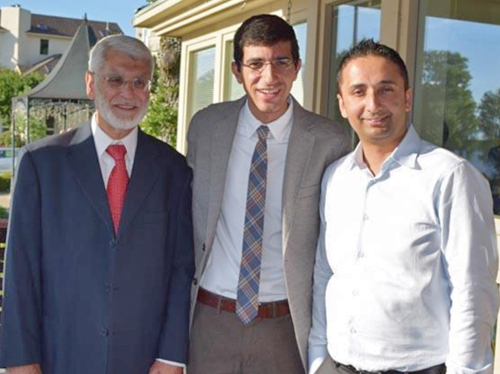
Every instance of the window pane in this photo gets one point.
(298, 86)
(457, 93)
(44, 47)
(351, 22)
(232, 90)
(201, 80)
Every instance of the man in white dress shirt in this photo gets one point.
(406, 263)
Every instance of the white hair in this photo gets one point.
(126, 45)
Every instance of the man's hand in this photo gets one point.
(25, 369)
(163, 368)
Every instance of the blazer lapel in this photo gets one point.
(145, 172)
(222, 142)
(83, 161)
(298, 157)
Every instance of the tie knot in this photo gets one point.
(262, 132)
(117, 151)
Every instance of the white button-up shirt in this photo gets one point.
(102, 141)
(223, 266)
(406, 263)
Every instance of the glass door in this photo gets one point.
(457, 88)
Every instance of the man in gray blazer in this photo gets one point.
(99, 254)
(258, 163)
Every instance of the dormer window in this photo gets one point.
(44, 46)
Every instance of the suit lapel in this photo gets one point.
(83, 161)
(300, 147)
(222, 142)
(145, 172)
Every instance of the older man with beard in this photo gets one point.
(99, 254)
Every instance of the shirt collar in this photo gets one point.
(103, 141)
(279, 129)
(405, 154)
(407, 151)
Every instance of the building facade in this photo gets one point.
(31, 42)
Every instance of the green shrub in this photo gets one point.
(4, 213)
(5, 182)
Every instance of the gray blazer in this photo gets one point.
(314, 143)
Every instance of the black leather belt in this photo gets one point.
(438, 369)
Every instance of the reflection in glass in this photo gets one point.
(350, 23)
(201, 80)
(457, 93)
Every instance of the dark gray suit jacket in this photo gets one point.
(314, 143)
(78, 299)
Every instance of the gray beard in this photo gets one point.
(117, 123)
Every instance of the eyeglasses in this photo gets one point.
(118, 82)
(281, 65)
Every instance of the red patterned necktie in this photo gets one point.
(117, 183)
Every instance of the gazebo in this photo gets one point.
(60, 101)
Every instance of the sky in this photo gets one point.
(119, 11)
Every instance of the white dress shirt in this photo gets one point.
(102, 141)
(406, 263)
(223, 266)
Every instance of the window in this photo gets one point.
(201, 80)
(44, 47)
(457, 88)
(232, 90)
(298, 86)
(350, 23)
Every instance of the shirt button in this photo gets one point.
(112, 243)
(355, 292)
(195, 281)
(361, 254)
(352, 330)
(104, 332)
(365, 217)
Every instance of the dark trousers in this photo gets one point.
(329, 366)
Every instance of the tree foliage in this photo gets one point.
(161, 119)
(446, 82)
(13, 84)
(489, 114)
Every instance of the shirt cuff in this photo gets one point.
(317, 355)
(173, 363)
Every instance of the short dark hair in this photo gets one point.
(368, 47)
(267, 30)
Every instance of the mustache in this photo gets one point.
(135, 103)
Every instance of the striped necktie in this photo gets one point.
(248, 284)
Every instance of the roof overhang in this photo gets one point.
(180, 17)
(47, 35)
